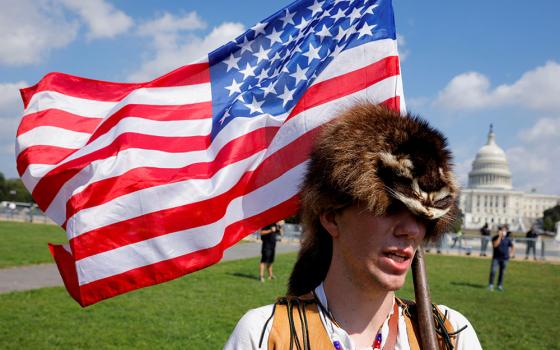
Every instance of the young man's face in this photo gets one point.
(375, 251)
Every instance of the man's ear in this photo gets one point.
(329, 221)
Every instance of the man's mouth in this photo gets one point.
(397, 257)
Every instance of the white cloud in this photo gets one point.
(11, 108)
(174, 48)
(168, 23)
(546, 129)
(468, 90)
(101, 18)
(535, 162)
(537, 89)
(10, 99)
(403, 49)
(462, 169)
(30, 29)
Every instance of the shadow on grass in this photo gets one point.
(468, 284)
(243, 275)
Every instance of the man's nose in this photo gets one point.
(410, 225)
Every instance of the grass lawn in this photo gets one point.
(25, 244)
(200, 310)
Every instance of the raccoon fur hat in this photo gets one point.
(376, 157)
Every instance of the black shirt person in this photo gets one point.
(268, 238)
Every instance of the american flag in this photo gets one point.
(155, 180)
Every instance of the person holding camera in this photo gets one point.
(503, 249)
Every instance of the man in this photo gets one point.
(503, 249)
(377, 185)
(268, 248)
(531, 243)
(484, 238)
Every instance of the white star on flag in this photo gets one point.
(340, 35)
(354, 15)
(262, 75)
(288, 18)
(324, 32)
(259, 28)
(274, 37)
(302, 24)
(312, 53)
(370, 9)
(245, 46)
(249, 71)
(231, 62)
(234, 87)
(255, 106)
(262, 54)
(287, 95)
(315, 8)
(340, 14)
(268, 89)
(366, 30)
(299, 74)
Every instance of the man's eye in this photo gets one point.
(394, 207)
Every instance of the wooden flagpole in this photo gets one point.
(428, 337)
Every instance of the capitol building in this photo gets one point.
(490, 197)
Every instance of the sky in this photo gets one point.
(465, 64)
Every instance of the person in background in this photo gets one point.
(484, 238)
(268, 238)
(531, 243)
(503, 249)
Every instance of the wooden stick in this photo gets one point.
(428, 338)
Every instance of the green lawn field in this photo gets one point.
(25, 244)
(200, 310)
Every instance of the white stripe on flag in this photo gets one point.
(175, 95)
(51, 136)
(80, 106)
(358, 57)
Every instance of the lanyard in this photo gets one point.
(378, 340)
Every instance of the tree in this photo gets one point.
(3, 191)
(457, 222)
(13, 190)
(551, 216)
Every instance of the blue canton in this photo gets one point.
(267, 69)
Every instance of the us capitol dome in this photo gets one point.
(490, 197)
(490, 168)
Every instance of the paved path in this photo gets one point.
(46, 275)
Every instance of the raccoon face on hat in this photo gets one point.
(377, 156)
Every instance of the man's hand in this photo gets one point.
(496, 242)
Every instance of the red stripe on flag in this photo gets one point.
(41, 154)
(393, 103)
(173, 268)
(202, 110)
(67, 267)
(47, 188)
(200, 213)
(347, 84)
(59, 119)
(197, 73)
(137, 179)
(92, 89)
